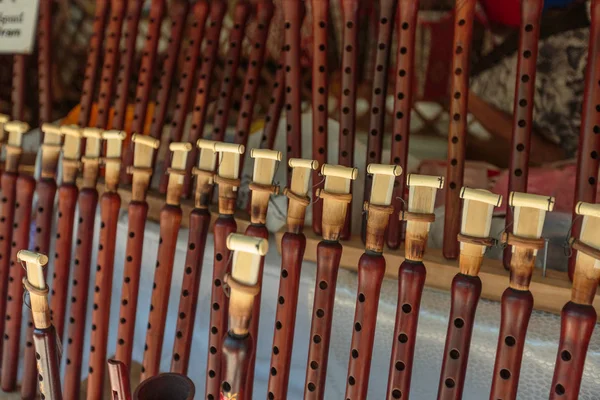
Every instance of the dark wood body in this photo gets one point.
(348, 94)
(293, 246)
(88, 202)
(320, 89)
(516, 311)
(371, 268)
(328, 263)
(405, 72)
(457, 131)
(14, 309)
(577, 324)
(587, 155)
(170, 222)
(48, 363)
(224, 225)
(137, 211)
(235, 361)
(188, 301)
(46, 192)
(274, 111)
(110, 205)
(465, 292)
(44, 50)
(166, 386)
(17, 95)
(411, 279)
(145, 77)
(67, 203)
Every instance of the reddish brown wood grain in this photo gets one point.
(274, 111)
(46, 347)
(44, 48)
(237, 353)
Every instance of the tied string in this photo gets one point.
(317, 198)
(567, 249)
(26, 297)
(226, 288)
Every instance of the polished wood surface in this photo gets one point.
(7, 212)
(236, 354)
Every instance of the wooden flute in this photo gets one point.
(403, 102)
(144, 147)
(170, 222)
(371, 268)
(348, 95)
(262, 187)
(166, 387)
(336, 199)
(118, 374)
(87, 203)
(517, 301)
(198, 230)
(578, 316)
(19, 239)
(411, 277)
(228, 182)
(110, 205)
(145, 77)
(478, 206)
(44, 335)
(200, 12)
(518, 171)
(293, 244)
(239, 343)
(320, 88)
(205, 80)
(273, 115)
(457, 130)
(44, 49)
(587, 155)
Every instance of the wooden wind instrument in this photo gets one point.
(457, 130)
(262, 187)
(44, 335)
(198, 230)
(419, 216)
(205, 81)
(118, 374)
(478, 206)
(293, 244)
(518, 171)
(170, 222)
(87, 203)
(145, 77)
(44, 49)
(44, 213)
(110, 205)
(320, 96)
(19, 239)
(578, 316)
(275, 106)
(403, 102)
(336, 199)
(228, 181)
(200, 12)
(166, 387)
(239, 343)
(371, 268)
(517, 301)
(144, 149)
(587, 155)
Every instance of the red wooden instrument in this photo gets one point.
(198, 231)
(320, 87)
(110, 205)
(21, 224)
(239, 344)
(403, 101)
(170, 222)
(205, 80)
(531, 12)
(371, 268)
(188, 73)
(293, 245)
(120, 386)
(517, 300)
(228, 182)
(166, 386)
(44, 48)
(336, 199)
(477, 212)
(137, 211)
(275, 106)
(457, 130)
(44, 334)
(587, 155)
(145, 77)
(578, 316)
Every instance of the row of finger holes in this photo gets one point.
(96, 306)
(454, 353)
(215, 307)
(320, 313)
(322, 91)
(403, 339)
(288, 70)
(145, 61)
(559, 389)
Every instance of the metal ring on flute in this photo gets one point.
(524, 242)
(417, 217)
(578, 245)
(488, 242)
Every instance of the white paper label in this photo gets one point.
(18, 22)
